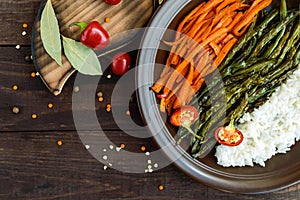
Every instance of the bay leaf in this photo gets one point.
(50, 34)
(82, 58)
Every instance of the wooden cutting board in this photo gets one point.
(127, 15)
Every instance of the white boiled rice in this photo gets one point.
(272, 128)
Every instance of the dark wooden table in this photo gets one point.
(33, 165)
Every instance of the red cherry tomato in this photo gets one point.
(93, 35)
(112, 2)
(120, 63)
(184, 116)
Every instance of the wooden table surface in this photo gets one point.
(34, 166)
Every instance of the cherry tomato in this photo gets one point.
(184, 116)
(229, 135)
(120, 63)
(93, 35)
(112, 2)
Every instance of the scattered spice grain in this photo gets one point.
(59, 142)
(15, 110)
(34, 116)
(50, 105)
(15, 87)
(161, 187)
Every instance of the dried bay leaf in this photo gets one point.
(81, 57)
(50, 34)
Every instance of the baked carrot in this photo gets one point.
(202, 61)
(224, 51)
(245, 28)
(160, 83)
(221, 38)
(215, 47)
(198, 26)
(235, 20)
(227, 39)
(175, 42)
(222, 23)
(206, 41)
(210, 4)
(253, 5)
(182, 95)
(224, 4)
(250, 16)
(183, 75)
(184, 21)
(225, 12)
(174, 75)
(190, 75)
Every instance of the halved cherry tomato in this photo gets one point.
(120, 63)
(229, 135)
(184, 116)
(112, 2)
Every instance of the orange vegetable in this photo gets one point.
(203, 39)
(225, 50)
(246, 20)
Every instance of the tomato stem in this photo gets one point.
(231, 125)
(82, 25)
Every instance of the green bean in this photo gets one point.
(297, 58)
(233, 68)
(273, 14)
(248, 50)
(283, 9)
(273, 46)
(195, 146)
(249, 35)
(237, 112)
(254, 68)
(283, 14)
(290, 41)
(271, 34)
(282, 42)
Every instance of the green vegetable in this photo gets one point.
(81, 57)
(50, 34)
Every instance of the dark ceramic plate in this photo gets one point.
(281, 171)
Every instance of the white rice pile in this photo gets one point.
(272, 128)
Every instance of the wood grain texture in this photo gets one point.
(70, 172)
(12, 15)
(32, 166)
(33, 97)
(124, 16)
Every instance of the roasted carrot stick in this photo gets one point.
(215, 47)
(180, 26)
(250, 16)
(224, 51)
(235, 20)
(224, 4)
